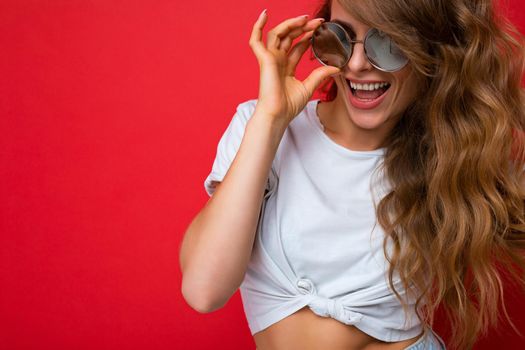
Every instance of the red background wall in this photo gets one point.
(110, 113)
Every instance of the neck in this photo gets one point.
(340, 127)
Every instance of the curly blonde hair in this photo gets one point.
(455, 159)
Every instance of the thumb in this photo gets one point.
(317, 76)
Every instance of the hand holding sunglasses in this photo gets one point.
(333, 46)
(281, 95)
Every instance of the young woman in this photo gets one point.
(420, 131)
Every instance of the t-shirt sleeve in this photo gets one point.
(229, 145)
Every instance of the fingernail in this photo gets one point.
(263, 13)
(303, 16)
(320, 19)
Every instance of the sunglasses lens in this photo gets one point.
(383, 52)
(331, 45)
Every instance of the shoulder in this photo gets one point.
(243, 112)
(246, 109)
(248, 104)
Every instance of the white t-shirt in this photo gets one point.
(316, 244)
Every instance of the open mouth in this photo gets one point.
(368, 92)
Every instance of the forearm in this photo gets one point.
(218, 243)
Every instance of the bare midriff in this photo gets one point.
(307, 331)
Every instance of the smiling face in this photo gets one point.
(370, 114)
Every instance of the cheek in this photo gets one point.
(409, 87)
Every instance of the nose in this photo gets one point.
(358, 61)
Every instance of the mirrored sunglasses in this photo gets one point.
(332, 46)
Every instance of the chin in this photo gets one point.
(368, 120)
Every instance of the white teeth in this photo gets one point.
(368, 87)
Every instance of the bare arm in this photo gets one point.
(218, 243)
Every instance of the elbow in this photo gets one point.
(199, 299)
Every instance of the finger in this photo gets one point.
(297, 52)
(282, 29)
(287, 41)
(256, 36)
(317, 76)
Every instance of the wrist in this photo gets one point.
(276, 124)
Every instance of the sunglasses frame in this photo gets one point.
(352, 43)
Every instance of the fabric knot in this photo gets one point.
(334, 308)
(327, 307)
(306, 286)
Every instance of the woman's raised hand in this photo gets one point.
(281, 95)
